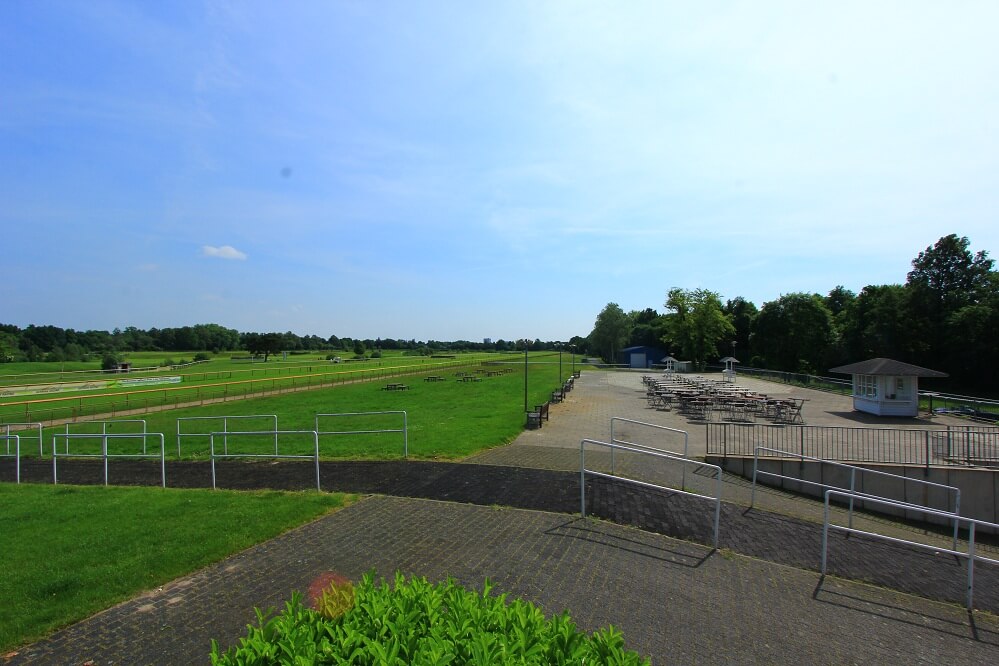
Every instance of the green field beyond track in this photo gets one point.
(450, 418)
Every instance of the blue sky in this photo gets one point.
(456, 170)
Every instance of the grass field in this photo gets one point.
(71, 551)
(59, 396)
(446, 419)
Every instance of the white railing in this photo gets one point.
(654, 426)
(583, 471)
(270, 456)
(105, 455)
(404, 430)
(952, 491)
(21, 427)
(16, 455)
(104, 430)
(969, 554)
(271, 418)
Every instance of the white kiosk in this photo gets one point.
(885, 387)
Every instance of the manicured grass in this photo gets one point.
(71, 551)
(446, 419)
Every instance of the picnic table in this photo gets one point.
(434, 378)
(395, 387)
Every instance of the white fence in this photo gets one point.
(404, 429)
(271, 419)
(105, 455)
(271, 456)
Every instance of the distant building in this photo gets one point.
(487, 341)
(641, 356)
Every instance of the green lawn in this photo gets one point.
(71, 551)
(446, 419)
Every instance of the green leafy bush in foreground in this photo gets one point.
(419, 623)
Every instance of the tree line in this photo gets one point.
(53, 343)
(944, 316)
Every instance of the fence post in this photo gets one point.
(926, 470)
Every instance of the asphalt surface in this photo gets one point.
(645, 565)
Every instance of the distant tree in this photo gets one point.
(647, 328)
(610, 332)
(742, 314)
(795, 333)
(358, 348)
(696, 324)
(266, 344)
(877, 324)
(944, 279)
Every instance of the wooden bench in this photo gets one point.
(540, 412)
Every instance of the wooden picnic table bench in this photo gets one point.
(395, 387)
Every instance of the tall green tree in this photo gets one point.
(944, 279)
(877, 324)
(795, 333)
(610, 332)
(696, 324)
(742, 314)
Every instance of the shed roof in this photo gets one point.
(886, 366)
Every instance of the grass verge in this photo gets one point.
(70, 551)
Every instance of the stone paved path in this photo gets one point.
(675, 601)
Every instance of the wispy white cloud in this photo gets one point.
(223, 252)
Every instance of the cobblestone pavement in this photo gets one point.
(756, 601)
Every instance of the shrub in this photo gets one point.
(420, 623)
(201, 356)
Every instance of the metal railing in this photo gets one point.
(583, 471)
(404, 430)
(952, 491)
(104, 430)
(16, 455)
(652, 426)
(970, 554)
(272, 419)
(964, 446)
(105, 455)
(21, 427)
(270, 456)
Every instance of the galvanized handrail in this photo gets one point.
(656, 454)
(16, 455)
(404, 430)
(970, 555)
(104, 429)
(104, 451)
(853, 481)
(225, 425)
(269, 456)
(36, 425)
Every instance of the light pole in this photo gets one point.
(559, 345)
(525, 375)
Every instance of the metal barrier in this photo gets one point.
(225, 426)
(404, 430)
(38, 426)
(269, 456)
(104, 429)
(104, 451)
(656, 454)
(970, 555)
(951, 490)
(950, 445)
(16, 456)
(614, 440)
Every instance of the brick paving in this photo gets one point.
(756, 601)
